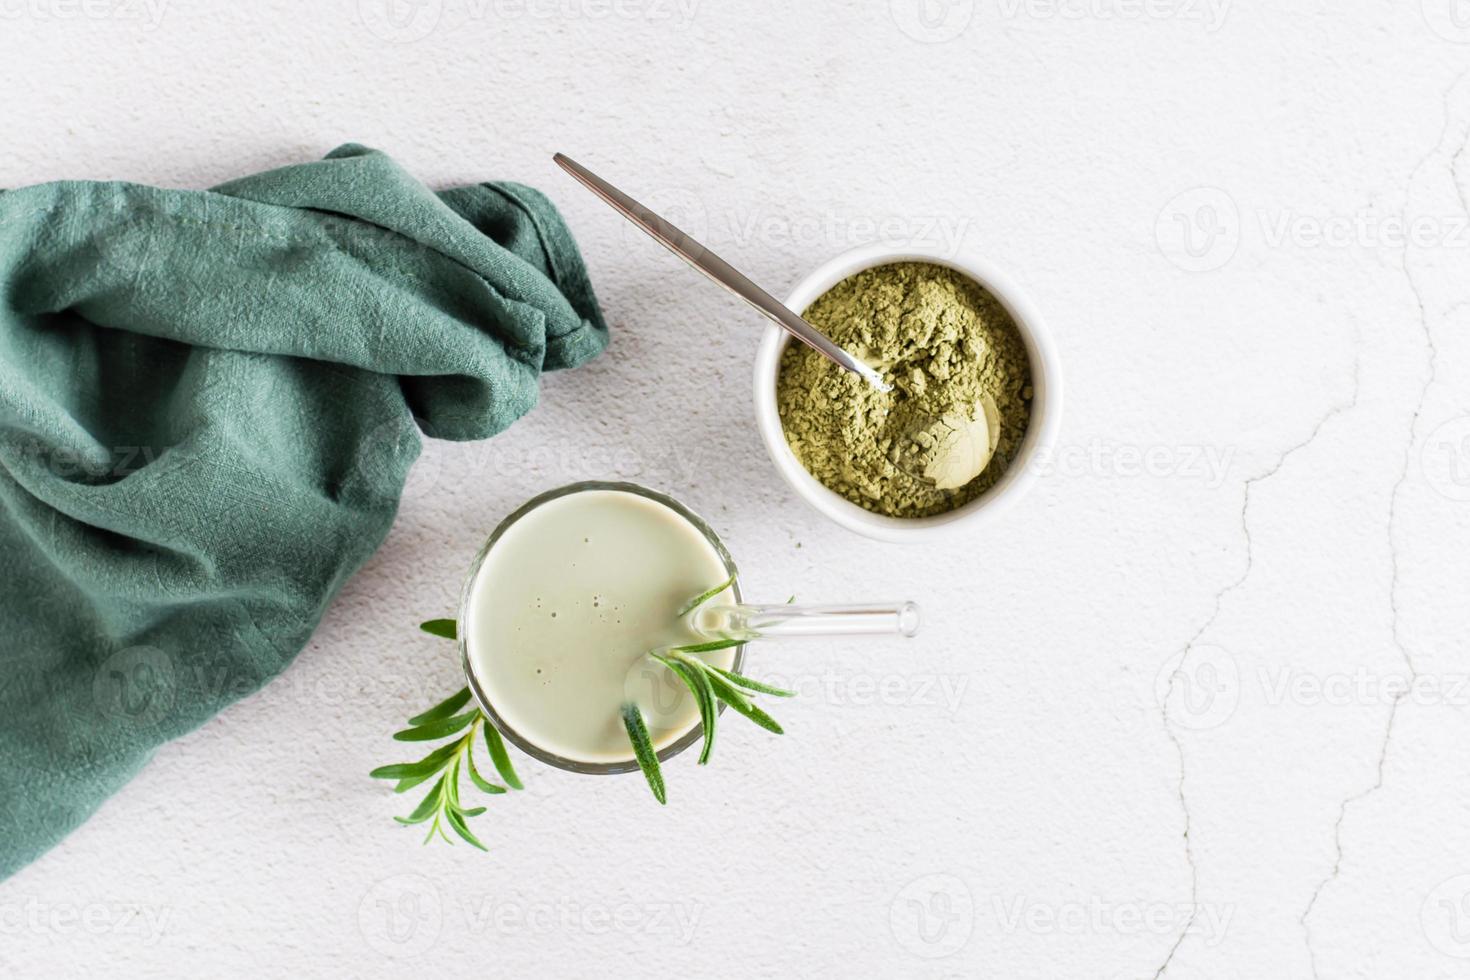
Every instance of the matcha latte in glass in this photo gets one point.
(573, 591)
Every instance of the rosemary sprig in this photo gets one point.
(710, 686)
(704, 597)
(643, 750)
(445, 719)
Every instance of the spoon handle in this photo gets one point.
(719, 270)
(779, 620)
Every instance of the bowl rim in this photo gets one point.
(1041, 433)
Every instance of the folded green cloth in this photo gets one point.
(209, 402)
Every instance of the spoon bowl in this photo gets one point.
(947, 452)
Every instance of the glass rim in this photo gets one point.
(488, 709)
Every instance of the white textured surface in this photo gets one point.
(1267, 464)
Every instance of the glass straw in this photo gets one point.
(784, 620)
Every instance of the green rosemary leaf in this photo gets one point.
(451, 787)
(757, 715)
(446, 628)
(729, 694)
(643, 750)
(500, 757)
(409, 782)
(437, 729)
(750, 685)
(709, 713)
(457, 824)
(704, 597)
(704, 696)
(484, 784)
(790, 599)
(416, 771)
(438, 758)
(426, 808)
(443, 709)
(709, 647)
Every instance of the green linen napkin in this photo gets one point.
(209, 402)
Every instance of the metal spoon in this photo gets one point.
(720, 271)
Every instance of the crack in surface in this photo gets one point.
(1432, 359)
(1250, 484)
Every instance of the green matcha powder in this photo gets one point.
(944, 342)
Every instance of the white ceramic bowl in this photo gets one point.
(1038, 443)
